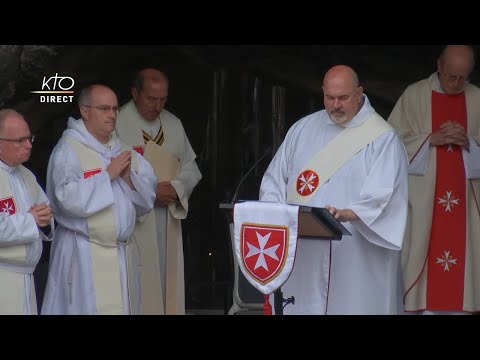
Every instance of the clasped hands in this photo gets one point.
(450, 133)
(166, 193)
(42, 213)
(120, 166)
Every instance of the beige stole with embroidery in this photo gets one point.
(338, 151)
(167, 167)
(145, 233)
(103, 243)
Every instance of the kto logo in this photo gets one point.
(56, 85)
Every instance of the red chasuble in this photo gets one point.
(446, 253)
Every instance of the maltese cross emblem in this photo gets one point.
(307, 183)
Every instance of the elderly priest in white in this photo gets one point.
(159, 135)
(24, 214)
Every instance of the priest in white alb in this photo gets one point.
(347, 159)
(160, 137)
(98, 187)
(438, 119)
(24, 217)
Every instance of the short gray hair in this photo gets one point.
(6, 113)
(139, 79)
(85, 95)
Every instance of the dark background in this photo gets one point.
(236, 103)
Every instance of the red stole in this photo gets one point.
(446, 253)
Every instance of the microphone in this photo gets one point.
(235, 196)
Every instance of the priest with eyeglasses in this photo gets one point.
(25, 217)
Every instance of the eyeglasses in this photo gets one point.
(23, 140)
(452, 78)
(105, 109)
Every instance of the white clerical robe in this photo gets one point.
(129, 126)
(19, 232)
(412, 118)
(70, 284)
(359, 274)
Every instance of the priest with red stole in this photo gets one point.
(438, 119)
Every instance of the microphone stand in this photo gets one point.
(235, 196)
(279, 302)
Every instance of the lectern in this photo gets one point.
(313, 223)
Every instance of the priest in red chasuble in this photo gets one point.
(438, 119)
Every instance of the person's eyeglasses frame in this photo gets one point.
(452, 78)
(21, 141)
(105, 109)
